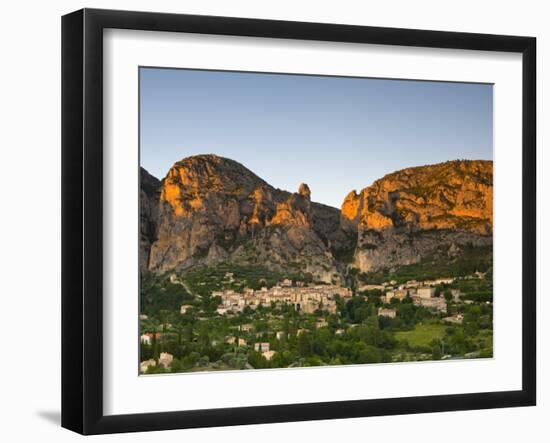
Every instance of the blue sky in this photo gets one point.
(334, 133)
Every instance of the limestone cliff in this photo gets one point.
(408, 214)
(210, 209)
(149, 194)
(213, 209)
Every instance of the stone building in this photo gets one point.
(457, 318)
(400, 294)
(165, 359)
(434, 303)
(145, 339)
(261, 347)
(144, 365)
(231, 340)
(185, 308)
(387, 312)
(425, 292)
(268, 355)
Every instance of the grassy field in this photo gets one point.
(422, 334)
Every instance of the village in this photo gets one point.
(304, 298)
(310, 298)
(315, 307)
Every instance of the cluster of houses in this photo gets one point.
(411, 284)
(387, 312)
(148, 337)
(421, 293)
(261, 347)
(165, 360)
(307, 299)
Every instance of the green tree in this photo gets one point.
(436, 352)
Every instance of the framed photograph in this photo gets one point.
(268, 221)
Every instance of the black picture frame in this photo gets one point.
(82, 218)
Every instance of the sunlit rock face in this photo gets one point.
(213, 209)
(210, 209)
(406, 215)
(304, 191)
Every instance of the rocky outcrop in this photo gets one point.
(213, 209)
(149, 194)
(210, 209)
(406, 215)
(304, 191)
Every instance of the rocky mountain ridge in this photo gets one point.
(406, 215)
(210, 209)
(213, 209)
